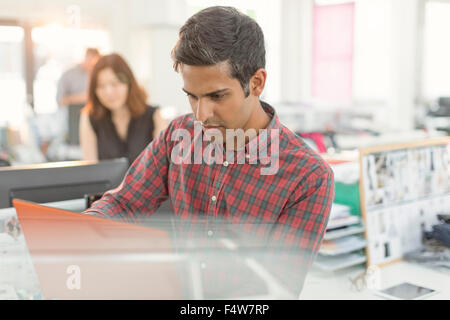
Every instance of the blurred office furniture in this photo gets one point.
(321, 142)
(343, 245)
(3, 138)
(351, 141)
(4, 154)
(317, 139)
(19, 144)
(52, 134)
(349, 127)
(59, 181)
(434, 254)
(60, 150)
(441, 109)
(438, 115)
(74, 124)
(4, 163)
(441, 231)
(339, 286)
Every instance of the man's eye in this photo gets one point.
(217, 96)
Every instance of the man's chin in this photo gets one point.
(214, 132)
(214, 129)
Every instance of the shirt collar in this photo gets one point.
(264, 138)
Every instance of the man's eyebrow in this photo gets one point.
(209, 94)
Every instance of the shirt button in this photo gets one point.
(225, 164)
(210, 233)
(213, 198)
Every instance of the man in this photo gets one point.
(72, 86)
(72, 92)
(285, 198)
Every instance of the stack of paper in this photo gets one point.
(342, 232)
(342, 222)
(340, 262)
(342, 245)
(340, 217)
(339, 211)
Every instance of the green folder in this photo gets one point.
(348, 194)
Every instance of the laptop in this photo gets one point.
(78, 256)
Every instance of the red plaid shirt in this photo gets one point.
(291, 206)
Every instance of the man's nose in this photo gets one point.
(204, 111)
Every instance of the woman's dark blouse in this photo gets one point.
(139, 135)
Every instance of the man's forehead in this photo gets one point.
(204, 79)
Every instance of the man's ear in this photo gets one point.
(257, 82)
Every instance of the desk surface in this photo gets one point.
(326, 286)
(319, 285)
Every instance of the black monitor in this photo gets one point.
(59, 181)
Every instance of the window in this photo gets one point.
(52, 58)
(436, 50)
(332, 61)
(12, 71)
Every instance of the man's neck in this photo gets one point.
(259, 119)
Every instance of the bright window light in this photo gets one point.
(11, 34)
(59, 48)
(436, 50)
(12, 82)
(332, 64)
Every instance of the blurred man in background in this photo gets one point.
(72, 86)
(72, 92)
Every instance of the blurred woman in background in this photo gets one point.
(116, 122)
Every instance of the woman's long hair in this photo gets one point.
(136, 100)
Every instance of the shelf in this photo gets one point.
(340, 262)
(379, 207)
(342, 245)
(343, 222)
(339, 233)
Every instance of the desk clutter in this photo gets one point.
(386, 203)
(434, 253)
(18, 279)
(403, 190)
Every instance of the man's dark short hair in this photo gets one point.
(218, 34)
